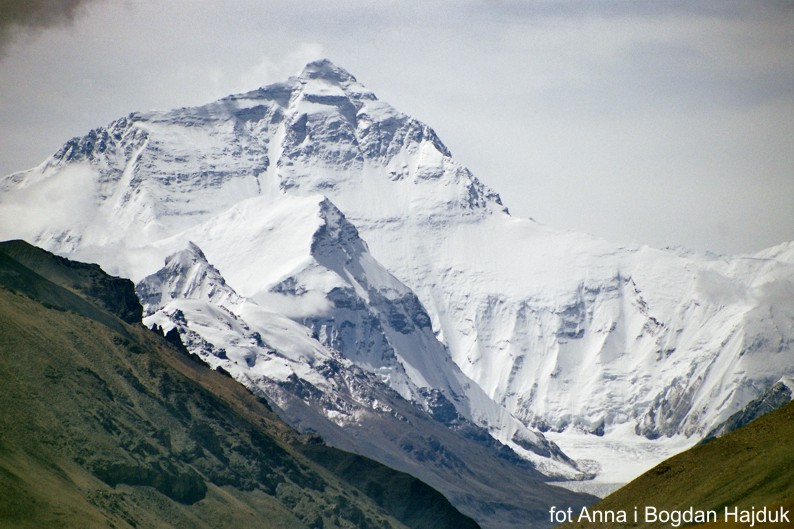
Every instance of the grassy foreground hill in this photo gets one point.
(748, 469)
(106, 424)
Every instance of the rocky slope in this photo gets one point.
(105, 424)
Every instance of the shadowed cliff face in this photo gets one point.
(113, 294)
(106, 423)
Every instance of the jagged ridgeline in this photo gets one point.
(107, 424)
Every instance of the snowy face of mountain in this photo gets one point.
(516, 325)
(150, 175)
(356, 361)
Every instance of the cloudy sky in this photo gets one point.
(666, 123)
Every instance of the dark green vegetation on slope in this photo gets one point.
(749, 467)
(105, 424)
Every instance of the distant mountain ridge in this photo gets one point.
(509, 326)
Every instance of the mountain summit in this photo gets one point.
(358, 267)
(325, 70)
(150, 175)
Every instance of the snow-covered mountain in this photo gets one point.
(451, 303)
(330, 367)
(343, 302)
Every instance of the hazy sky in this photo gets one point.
(666, 123)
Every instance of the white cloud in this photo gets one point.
(276, 68)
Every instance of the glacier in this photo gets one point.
(309, 229)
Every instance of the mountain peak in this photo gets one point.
(186, 275)
(326, 70)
